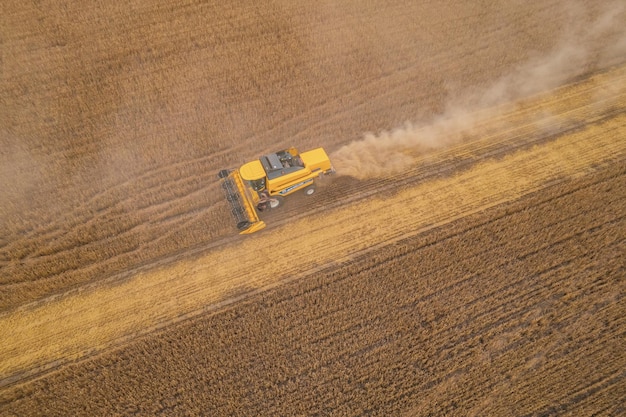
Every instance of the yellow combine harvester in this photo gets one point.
(262, 184)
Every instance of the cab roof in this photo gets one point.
(252, 171)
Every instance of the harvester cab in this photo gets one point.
(262, 184)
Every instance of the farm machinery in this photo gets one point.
(262, 184)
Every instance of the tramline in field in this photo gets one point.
(262, 184)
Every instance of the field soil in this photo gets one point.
(467, 258)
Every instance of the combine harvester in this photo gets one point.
(262, 184)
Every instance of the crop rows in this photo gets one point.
(517, 310)
(115, 120)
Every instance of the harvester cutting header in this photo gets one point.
(262, 184)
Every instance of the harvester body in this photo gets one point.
(261, 184)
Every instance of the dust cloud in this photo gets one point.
(20, 176)
(585, 44)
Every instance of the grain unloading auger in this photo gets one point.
(262, 184)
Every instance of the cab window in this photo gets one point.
(258, 185)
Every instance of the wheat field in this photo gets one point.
(467, 259)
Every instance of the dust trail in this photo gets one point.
(585, 45)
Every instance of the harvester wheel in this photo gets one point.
(276, 202)
(310, 190)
